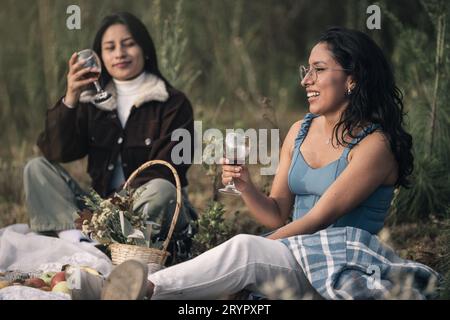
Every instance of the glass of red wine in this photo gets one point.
(237, 149)
(91, 60)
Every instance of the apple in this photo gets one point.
(47, 277)
(58, 277)
(61, 287)
(34, 283)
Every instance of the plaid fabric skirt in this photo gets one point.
(349, 263)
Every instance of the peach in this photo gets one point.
(61, 287)
(34, 283)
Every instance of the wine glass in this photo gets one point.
(91, 60)
(237, 148)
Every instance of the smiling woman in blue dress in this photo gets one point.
(338, 170)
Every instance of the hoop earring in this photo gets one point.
(349, 92)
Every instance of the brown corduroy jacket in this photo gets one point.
(87, 130)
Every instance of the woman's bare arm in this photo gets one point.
(273, 210)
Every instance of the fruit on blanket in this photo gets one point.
(34, 283)
(61, 287)
(47, 277)
(58, 277)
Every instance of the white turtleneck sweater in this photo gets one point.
(127, 93)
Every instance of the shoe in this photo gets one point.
(127, 281)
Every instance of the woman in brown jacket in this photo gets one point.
(117, 136)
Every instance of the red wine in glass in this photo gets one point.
(90, 75)
(236, 150)
(91, 60)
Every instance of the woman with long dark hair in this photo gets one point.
(338, 170)
(117, 135)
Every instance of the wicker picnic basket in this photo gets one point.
(121, 252)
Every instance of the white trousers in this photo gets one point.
(244, 262)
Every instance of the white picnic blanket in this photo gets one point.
(23, 250)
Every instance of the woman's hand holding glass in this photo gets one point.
(78, 78)
(236, 173)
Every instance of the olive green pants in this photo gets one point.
(54, 198)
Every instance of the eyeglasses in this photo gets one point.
(305, 71)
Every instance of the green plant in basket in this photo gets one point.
(114, 221)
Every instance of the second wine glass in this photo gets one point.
(91, 60)
(237, 148)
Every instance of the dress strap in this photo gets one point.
(364, 133)
(304, 129)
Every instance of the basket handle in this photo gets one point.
(178, 187)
